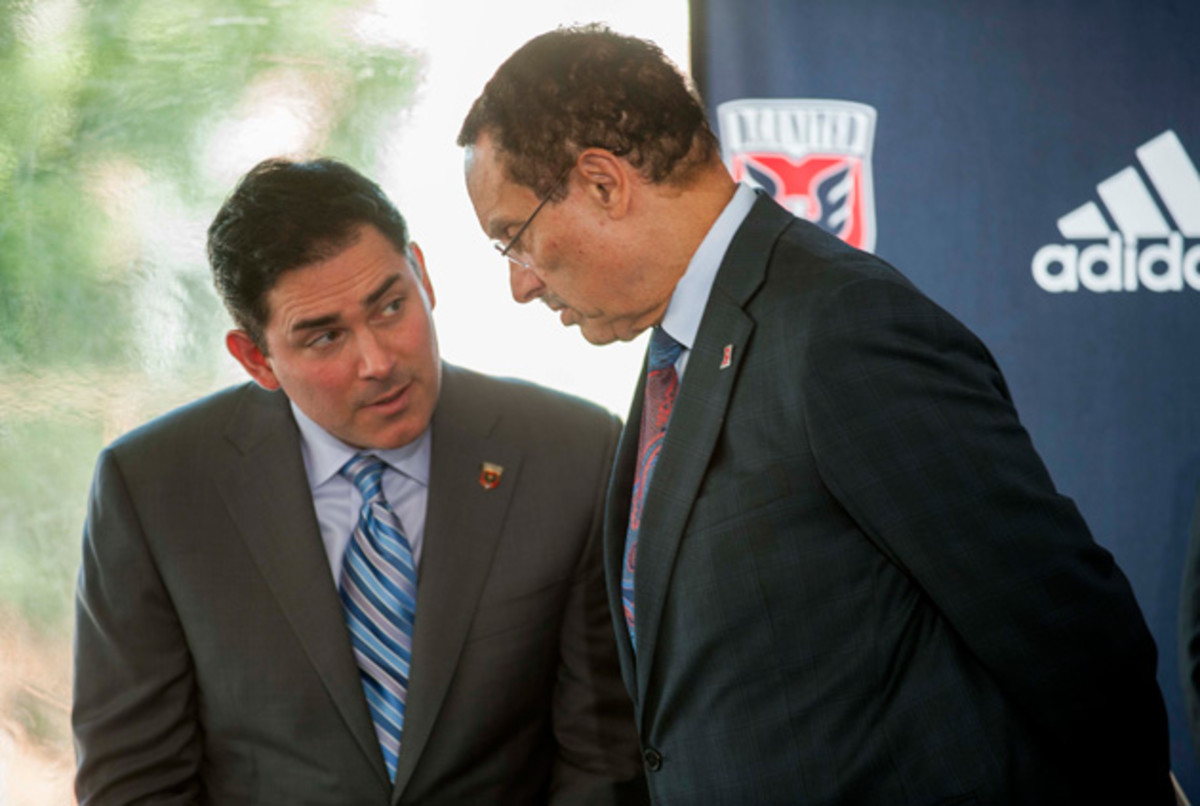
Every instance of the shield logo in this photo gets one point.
(489, 475)
(813, 156)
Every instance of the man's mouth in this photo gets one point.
(388, 400)
(567, 315)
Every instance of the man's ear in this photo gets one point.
(416, 255)
(255, 362)
(608, 179)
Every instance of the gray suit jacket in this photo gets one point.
(213, 663)
(856, 583)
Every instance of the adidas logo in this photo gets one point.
(1143, 244)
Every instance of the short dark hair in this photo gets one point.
(283, 215)
(583, 87)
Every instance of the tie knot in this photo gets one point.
(366, 473)
(664, 350)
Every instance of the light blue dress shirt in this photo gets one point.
(337, 501)
(686, 308)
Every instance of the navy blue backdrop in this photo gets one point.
(1032, 168)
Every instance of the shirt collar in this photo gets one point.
(324, 454)
(686, 308)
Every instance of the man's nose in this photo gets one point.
(526, 286)
(375, 360)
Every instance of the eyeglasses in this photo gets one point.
(511, 251)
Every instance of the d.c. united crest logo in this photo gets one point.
(812, 156)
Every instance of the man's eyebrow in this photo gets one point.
(378, 293)
(318, 322)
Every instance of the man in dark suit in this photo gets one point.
(251, 624)
(844, 575)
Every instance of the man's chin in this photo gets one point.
(598, 339)
(606, 334)
(597, 330)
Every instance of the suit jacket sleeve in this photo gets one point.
(598, 760)
(136, 734)
(915, 434)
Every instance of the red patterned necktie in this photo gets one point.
(662, 384)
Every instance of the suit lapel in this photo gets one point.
(696, 421)
(616, 524)
(691, 437)
(462, 528)
(267, 492)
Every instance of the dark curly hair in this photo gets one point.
(583, 87)
(283, 215)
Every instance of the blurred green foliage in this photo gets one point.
(40, 549)
(99, 89)
(123, 124)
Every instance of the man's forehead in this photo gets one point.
(473, 157)
(490, 188)
(484, 169)
(393, 271)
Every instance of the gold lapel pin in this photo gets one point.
(489, 475)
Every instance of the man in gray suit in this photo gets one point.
(368, 578)
(839, 572)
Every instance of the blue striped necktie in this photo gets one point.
(379, 597)
(662, 385)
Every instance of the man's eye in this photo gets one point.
(393, 306)
(323, 339)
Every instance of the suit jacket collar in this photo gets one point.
(700, 409)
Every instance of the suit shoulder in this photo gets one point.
(776, 251)
(187, 426)
(531, 414)
(522, 398)
(813, 276)
(829, 261)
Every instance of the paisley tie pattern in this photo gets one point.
(662, 385)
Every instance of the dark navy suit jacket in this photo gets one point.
(856, 582)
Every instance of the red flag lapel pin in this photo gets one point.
(489, 475)
(727, 357)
